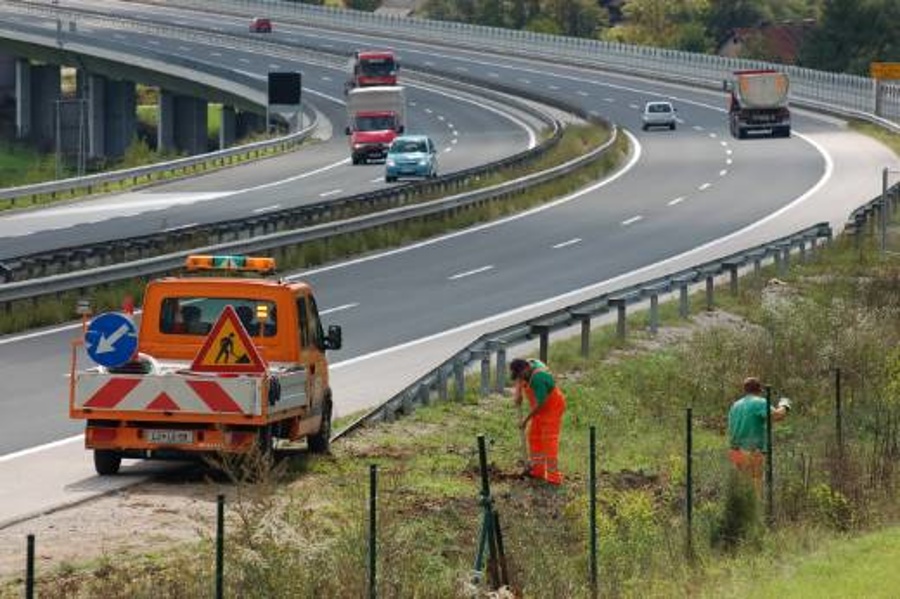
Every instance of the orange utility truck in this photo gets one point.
(218, 364)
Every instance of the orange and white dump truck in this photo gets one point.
(222, 364)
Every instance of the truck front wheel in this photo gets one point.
(107, 462)
(321, 441)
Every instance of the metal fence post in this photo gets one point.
(220, 546)
(689, 485)
(29, 567)
(770, 505)
(373, 537)
(593, 509)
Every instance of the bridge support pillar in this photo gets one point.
(182, 123)
(228, 128)
(37, 91)
(120, 118)
(249, 123)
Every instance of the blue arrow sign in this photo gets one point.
(111, 339)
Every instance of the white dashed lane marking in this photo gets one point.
(567, 243)
(469, 273)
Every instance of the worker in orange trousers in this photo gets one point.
(544, 420)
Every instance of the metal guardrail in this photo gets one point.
(57, 284)
(87, 256)
(496, 343)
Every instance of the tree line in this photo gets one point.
(842, 35)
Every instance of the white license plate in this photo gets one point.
(169, 437)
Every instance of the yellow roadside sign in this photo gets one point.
(884, 70)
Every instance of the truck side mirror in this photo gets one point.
(401, 129)
(334, 339)
(347, 130)
(726, 85)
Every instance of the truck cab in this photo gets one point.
(371, 67)
(223, 364)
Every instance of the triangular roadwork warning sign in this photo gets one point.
(228, 348)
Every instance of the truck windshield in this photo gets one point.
(197, 315)
(374, 123)
(376, 67)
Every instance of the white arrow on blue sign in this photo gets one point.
(111, 339)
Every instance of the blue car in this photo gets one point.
(411, 156)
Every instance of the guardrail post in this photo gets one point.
(776, 258)
(654, 312)
(543, 332)
(442, 384)
(710, 292)
(619, 304)
(757, 262)
(653, 291)
(732, 266)
(407, 405)
(501, 367)
(485, 373)
(585, 319)
(684, 306)
(459, 380)
(424, 394)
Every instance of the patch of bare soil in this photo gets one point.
(146, 518)
(152, 516)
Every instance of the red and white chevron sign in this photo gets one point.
(179, 393)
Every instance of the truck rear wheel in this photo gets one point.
(107, 462)
(321, 441)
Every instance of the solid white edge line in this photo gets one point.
(38, 448)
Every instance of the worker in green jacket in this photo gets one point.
(747, 422)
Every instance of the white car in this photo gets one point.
(658, 114)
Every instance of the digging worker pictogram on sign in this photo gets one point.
(228, 348)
